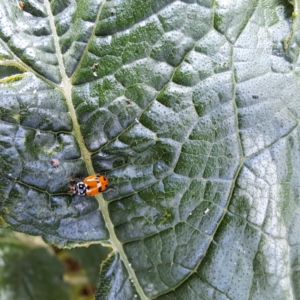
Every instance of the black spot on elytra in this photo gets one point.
(100, 189)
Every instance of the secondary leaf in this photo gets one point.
(114, 282)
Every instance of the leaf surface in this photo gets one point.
(191, 110)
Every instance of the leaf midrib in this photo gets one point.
(66, 88)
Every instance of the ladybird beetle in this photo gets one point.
(90, 186)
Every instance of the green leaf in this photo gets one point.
(191, 110)
(29, 272)
(114, 282)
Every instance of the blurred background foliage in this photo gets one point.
(28, 264)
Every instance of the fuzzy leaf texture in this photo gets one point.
(191, 110)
